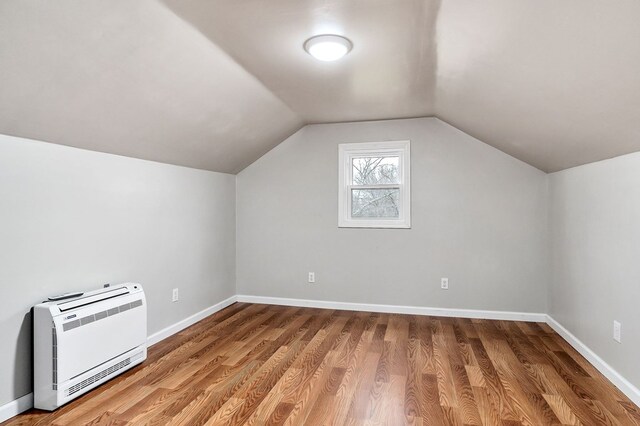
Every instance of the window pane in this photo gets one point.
(380, 203)
(375, 170)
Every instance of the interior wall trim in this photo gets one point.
(181, 325)
(24, 403)
(15, 407)
(397, 309)
(625, 386)
(632, 392)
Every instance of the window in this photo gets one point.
(374, 185)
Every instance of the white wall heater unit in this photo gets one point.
(81, 342)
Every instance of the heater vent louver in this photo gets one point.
(54, 352)
(96, 377)
(110, 371)
(100, 315)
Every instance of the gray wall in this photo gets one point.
(595, 252)
(73, 220)
(479, 217)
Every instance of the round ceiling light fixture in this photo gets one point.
(328, 47)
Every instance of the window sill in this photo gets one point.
(376, 224)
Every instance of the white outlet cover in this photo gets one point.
(312, 277)
(617, 331)
(175, 295)
(444, 283)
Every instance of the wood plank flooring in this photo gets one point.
(271, 365)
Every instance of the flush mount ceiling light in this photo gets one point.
(328, 47)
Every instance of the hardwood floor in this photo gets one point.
(262, 364)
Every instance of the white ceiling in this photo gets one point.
(214, 84)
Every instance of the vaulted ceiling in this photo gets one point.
(214, 84)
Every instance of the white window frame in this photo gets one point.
(346, 153)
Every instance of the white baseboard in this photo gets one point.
(16, 407)
(25, 402)
(397, 309)
(632, 392)
(181, 325)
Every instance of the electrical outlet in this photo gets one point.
(444, 283)
(617, 331)
(175, 296)
(312, 277)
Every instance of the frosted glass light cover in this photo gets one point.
(328, 47)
